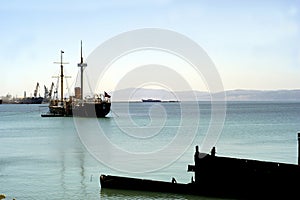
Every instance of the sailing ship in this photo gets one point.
(97, 106)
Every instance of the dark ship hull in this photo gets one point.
(97, 110)
(91, 109)
(224, 177)
(33, 100)
(151, 100)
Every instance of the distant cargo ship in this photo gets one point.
(158, 100)
(32, 100)
(151, 100)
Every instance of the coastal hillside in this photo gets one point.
(231, 95)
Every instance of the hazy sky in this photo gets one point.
(254, 44)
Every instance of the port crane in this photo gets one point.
(36, 90)
(48, 93)
(51, 89)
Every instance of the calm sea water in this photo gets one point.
(43, 158)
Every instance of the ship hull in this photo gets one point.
(151, 100)
(37, 100)
(96, 110)
(91, 110)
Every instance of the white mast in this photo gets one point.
(81, 65)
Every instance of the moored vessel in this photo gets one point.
(97, 106)
(36, 99)
(31, 100)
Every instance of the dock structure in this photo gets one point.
(299, 148)
(243, 178)
(223, 177)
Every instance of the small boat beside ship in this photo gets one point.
(97, 106)
(223, 177)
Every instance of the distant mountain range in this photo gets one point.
(231, 95)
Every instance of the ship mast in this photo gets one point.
(81, 65)
(61, 76)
